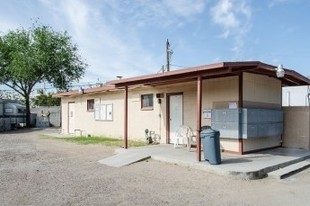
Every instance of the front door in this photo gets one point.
(71, 118)
(175, 116)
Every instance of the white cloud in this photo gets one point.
(158, 13)
(111, 35)
(273, 3)
(223, 15)
(6, 26)
(108, 32)
(77, 12)
(234, 17)
(103, 44)
(184, 8)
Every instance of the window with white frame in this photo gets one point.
(104, 112)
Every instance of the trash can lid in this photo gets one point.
(208, 131)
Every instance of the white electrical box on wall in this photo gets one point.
(206, 114)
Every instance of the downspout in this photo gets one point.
(199, 101)
(126, 117)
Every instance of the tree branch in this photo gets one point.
(12, 87)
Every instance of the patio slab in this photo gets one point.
(251, 166)
(124, 159)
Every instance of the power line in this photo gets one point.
(178, 65)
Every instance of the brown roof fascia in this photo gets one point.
(205, 71)
(300, 78)
(181, 77)
(99, 89)
(188, 74)
(87, 91)
(65, 94)
(291, 77)
(171, 75)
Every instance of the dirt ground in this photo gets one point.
(36, 171)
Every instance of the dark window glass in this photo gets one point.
(90, 105)
(147, 101)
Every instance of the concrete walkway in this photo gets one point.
(252, 166)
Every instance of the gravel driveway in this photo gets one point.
(36, 171)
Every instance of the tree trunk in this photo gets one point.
(27, 101)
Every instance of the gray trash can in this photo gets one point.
(211, 146)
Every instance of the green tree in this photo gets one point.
(39, 54)
(46, 100)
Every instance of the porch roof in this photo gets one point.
(291, 78)
(222, 69)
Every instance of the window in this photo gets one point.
(90, 105)
(21, 110)
(147, 101)
(103, 112)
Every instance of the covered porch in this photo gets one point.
(198, 75)
(250, 166)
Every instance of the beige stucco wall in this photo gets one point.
(254, 144)
(155, 120)
(260, 91)
(85, 121)
(214, 90)
(230, 145)
(216, 93)
(139, 120)
(296, 127)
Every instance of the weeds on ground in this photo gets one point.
(107, 141)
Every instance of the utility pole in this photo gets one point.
(168, 55)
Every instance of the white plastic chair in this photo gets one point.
(191, 140)
(183, 132)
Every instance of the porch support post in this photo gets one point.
(240, 106)
(126, 117)
(199, 101)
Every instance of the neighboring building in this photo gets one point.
(296, 101)
(296, 96)
(12, 114)
(45, 116)
(237, 98)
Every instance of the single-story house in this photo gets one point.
(243, 100)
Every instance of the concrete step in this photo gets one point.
(290, 169)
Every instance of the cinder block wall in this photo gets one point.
(53, 111)
(296, 127)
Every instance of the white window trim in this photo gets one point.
(103, 112)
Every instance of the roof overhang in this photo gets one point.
(223, 69)
(86, 91)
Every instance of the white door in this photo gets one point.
(71, 118)
(175, 115)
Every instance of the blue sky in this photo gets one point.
(127, 37)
